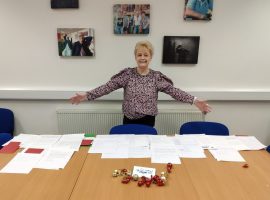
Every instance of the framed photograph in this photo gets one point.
(131, 19)
(198, 10)
(75, 42)
(55, 4)
(180, 49)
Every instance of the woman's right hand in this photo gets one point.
(78, 98)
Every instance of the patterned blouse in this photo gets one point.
(140, 91)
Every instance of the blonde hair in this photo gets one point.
(144, 44)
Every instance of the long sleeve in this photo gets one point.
(116, 82)
(164, 84)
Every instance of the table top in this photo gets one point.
(41, 184)
(230, 180)
(203, 179)
(87, 176)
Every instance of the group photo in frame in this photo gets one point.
(180, 49)
(198, 10)
(75, 41)
(131, 19)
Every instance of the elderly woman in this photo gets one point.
(141, 86)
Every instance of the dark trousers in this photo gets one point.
(147, 120)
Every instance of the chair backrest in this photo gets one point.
(6, 121)
(268, 149)
(133, 129)
(204, 127)
(4, 137)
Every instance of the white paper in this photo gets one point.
(165, 154)
(160, 141)
(190, 151)
(102, 148)
(139, 152)
(196, 139)
(36, 141)
(24, 139)
(69, 141)
(144, 171)
(227, 155)
(120, 151)
(22, 163)
(165, 158)
(186, 139)
(54, 159)
(115, 155)
(139, 140)
(122, 146)
(251, 142)
(43, 141)
(110, 144)
(227, 142)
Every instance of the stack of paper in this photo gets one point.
(54, 151)
(164, 149)
(42, 151)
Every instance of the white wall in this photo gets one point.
(233, 59)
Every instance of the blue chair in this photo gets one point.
(204, 127)
(268, 149)
(133, 129)
(6, 125)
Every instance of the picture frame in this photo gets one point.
(75, 42)
(180, 49)
(58, 4)
(131, 19)
(198, 10)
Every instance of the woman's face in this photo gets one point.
(143, 57)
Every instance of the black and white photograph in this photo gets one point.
(180, 49)
(56, 4)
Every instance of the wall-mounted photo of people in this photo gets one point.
(56, 4)
(131, 18)
(75, 42)
(180, 49)
(198, 10)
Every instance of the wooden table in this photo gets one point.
(96, 181)
(202, 179)
(229, 180)
(88, 177)
(41, 184)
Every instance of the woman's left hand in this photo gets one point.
(203, 106)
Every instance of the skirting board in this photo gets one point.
(210, 95)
